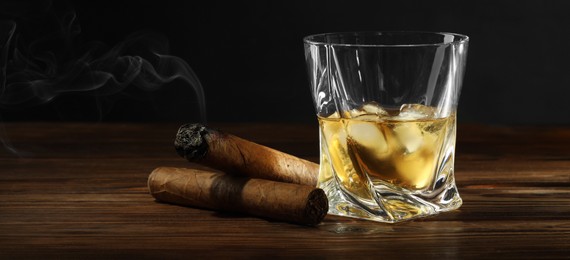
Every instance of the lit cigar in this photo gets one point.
(276, 200)
(233, 155)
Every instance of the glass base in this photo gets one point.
(393, 204)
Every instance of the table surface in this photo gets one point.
(79, 190)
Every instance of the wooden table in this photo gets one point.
(79, 190)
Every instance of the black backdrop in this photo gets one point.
(249, 56)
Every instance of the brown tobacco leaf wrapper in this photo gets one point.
(233, 155)
(281, 201)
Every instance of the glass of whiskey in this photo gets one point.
(386, 105)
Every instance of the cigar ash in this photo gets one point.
(190, 141)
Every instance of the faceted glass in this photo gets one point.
(386, 104)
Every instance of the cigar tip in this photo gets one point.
(190, 141)
(317, 207)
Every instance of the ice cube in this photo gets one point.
(415, 112)
(334, 115)
(409, 136)
(368, 111)
(374, 108)
(368, 137)
(369, 118)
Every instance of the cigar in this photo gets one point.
(233, 155)
(288, 202)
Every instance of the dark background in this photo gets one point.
(249, 57)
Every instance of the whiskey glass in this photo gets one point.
(386, 104)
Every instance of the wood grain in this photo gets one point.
(79, 190)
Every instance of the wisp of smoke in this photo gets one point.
(32, 77)
(38, 72)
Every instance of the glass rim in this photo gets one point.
(309, 39)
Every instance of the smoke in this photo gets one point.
(43, 57)
(59, 63)
(6, 32)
